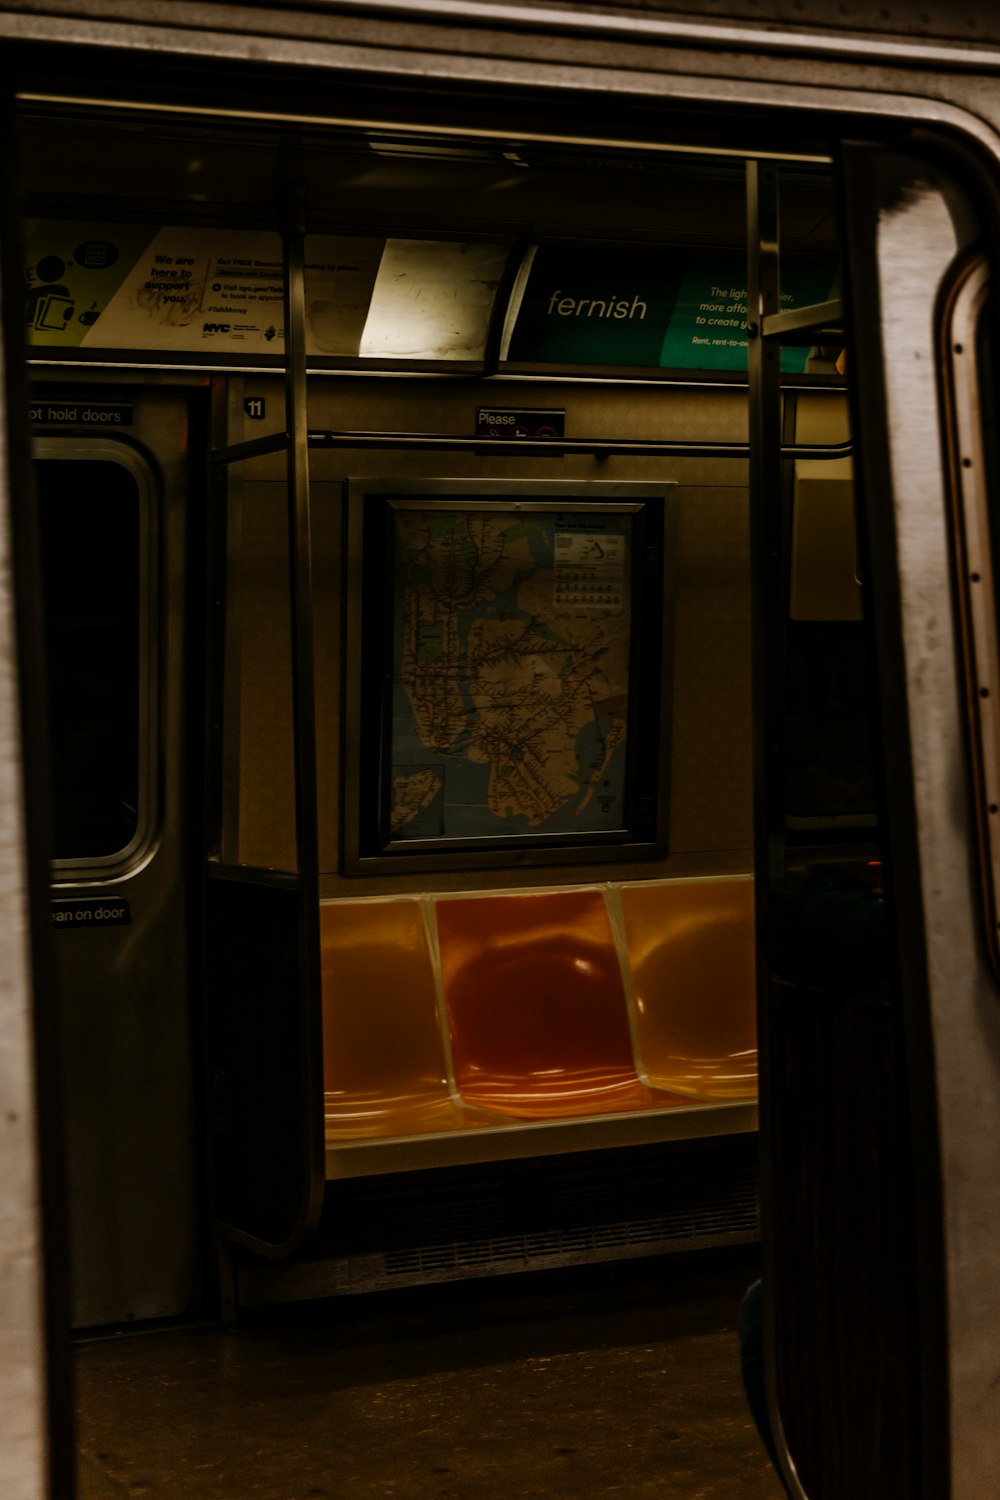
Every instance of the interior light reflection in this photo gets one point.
(432, 300)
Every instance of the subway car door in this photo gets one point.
(881, 1023)
(113, 474)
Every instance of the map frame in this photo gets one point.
(373, 673)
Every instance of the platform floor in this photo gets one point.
(614, 1381)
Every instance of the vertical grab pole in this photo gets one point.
(303, 698)
(769, 593)
(766, 524)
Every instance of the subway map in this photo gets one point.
(510, 677)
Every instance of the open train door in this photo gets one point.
(880, 1003)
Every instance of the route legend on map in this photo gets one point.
(589, 570)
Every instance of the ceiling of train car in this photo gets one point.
(111, 166)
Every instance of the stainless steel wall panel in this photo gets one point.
(125, 992)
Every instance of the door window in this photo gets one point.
(92, 526)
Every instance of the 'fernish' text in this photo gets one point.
(594, 307)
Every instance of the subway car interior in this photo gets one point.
(519, 644)
(452, 616)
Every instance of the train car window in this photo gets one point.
(92, 523)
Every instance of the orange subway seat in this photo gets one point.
(536, 1008)
(691, 951)
(383, 1056)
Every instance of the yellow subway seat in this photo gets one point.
(691, 953)
(536, 1009)
(383, 1057)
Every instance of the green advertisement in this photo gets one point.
(588, 307)
(671, 310)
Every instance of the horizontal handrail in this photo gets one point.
(525, 447)
(818, 317)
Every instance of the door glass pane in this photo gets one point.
(89, 517)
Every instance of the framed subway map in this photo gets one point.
(507, 657)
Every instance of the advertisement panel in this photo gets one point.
(207, 292)
(652, 309)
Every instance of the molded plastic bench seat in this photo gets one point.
(691, 952)
(385, 1071)
(536, 1007)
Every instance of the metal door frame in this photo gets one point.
(879, 112)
